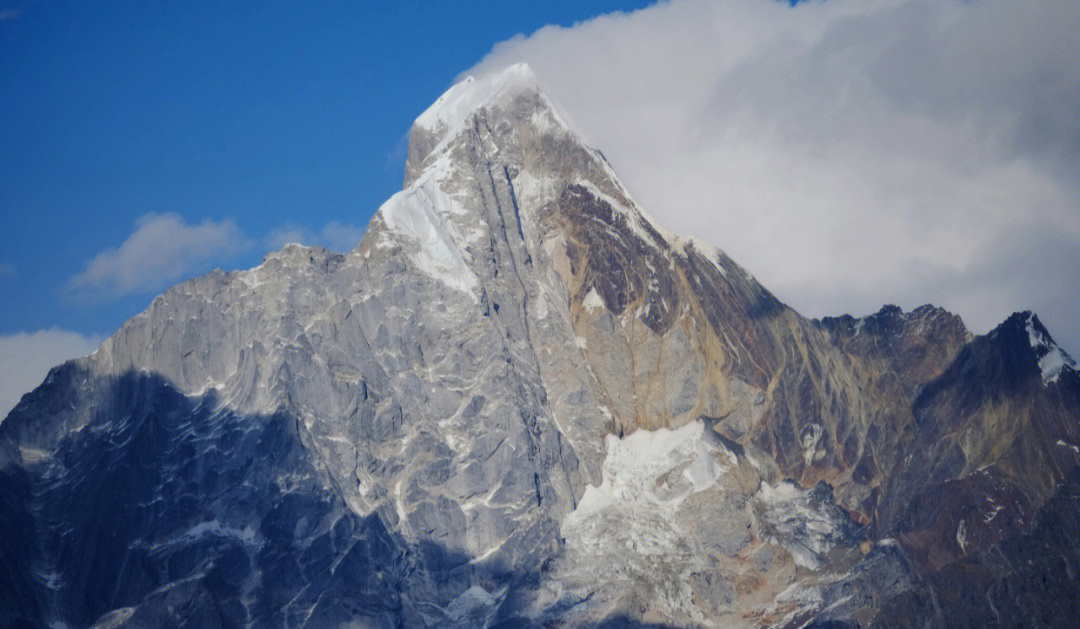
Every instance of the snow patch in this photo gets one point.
(421, 214)
(215, 528)
(1052, 359)
(1075, 449)
(636, 470)
(809, 441)
(628, 529)
(804, 525)
(211, 528)
(711, 253)
(592, 300)
(993, 514)
(51, 579)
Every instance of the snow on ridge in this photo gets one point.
(711, 253)
(451, 109)
(445, 119)
(638, 215)
(1052, 359)
(635, 217)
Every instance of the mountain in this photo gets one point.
(518, 402)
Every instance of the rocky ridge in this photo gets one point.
(520, 402)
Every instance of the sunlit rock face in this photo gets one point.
(519, 402)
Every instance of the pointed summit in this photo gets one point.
(442, 121)
(451, 109)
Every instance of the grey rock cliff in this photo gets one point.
(517, 401)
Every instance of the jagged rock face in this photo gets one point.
(519, 402)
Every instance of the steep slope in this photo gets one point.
(519, 401)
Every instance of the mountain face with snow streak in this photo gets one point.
(518, 402)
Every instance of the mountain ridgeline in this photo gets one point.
(519, 403)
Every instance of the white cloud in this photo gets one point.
(162, 249)
(848, 153)
(335, 236)
(25, 360)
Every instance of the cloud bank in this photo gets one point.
(850, 154)
(162, 249)
(25, 360)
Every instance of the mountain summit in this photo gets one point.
(518, 402)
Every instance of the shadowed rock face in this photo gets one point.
(518, 402)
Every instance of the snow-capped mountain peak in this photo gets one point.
(518, 402)
(514, 90)
(453, 107)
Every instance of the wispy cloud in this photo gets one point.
(9, 14)
(7, 269)
(848, 153)
(162, 249)
(25, 359)
(335, 236)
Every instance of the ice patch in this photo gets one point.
(533, 190)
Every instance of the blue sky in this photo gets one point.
(281, 116)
